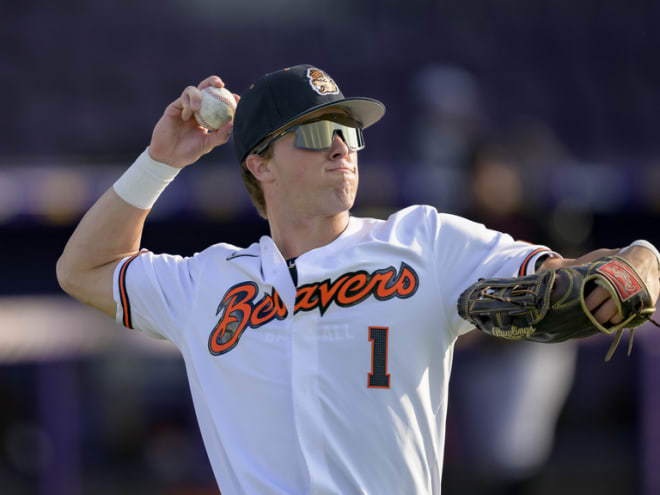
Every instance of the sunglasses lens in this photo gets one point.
(320, 135)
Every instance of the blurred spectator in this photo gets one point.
(448, 119)
(506, 397)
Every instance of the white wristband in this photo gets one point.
(144, 181)
(649, 246)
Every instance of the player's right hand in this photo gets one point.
(177, 139)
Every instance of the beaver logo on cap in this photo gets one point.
(321, 82)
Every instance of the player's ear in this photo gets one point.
(259, 167)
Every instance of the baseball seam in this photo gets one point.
(231, 103)
(202, 120)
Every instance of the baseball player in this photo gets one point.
(319, 356)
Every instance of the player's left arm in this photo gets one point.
(642, 259)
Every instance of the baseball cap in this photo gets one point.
(279, 98)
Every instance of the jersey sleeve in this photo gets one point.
(154, 293)
(466, 251)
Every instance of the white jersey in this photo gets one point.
(338, 385)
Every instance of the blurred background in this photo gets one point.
(537, 118)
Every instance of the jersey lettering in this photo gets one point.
(353, 288)
(240, 309)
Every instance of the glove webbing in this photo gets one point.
(617, 339)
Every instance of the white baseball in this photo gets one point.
(218, 106)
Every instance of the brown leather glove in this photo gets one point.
(550, 305)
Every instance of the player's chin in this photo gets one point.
(345, 196)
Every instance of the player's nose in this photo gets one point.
(339, 149)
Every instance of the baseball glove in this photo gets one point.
(550, 305)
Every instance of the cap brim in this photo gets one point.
(367, 111)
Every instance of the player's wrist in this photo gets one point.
(144, 181)
(645, 244)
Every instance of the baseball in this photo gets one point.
(218, 106)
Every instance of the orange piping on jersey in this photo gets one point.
(523, 267)
(123, 295)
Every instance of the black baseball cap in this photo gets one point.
(279, 98)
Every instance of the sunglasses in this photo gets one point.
(319, 133)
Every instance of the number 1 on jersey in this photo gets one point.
(379, 377)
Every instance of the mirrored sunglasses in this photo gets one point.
(319, 133)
